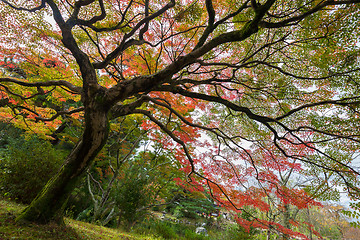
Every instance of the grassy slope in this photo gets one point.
(72, 231)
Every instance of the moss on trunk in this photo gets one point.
(50, 202)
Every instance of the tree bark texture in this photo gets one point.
(50, 202)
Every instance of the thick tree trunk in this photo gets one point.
(50, 202)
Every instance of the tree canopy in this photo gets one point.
(241, 91)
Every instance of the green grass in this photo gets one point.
(72, 230)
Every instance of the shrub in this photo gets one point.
(165, 230)
(237, 232)
(168, 230)
(25, 167)
(154, 226)
(191, 235)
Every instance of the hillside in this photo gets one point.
(72, 230)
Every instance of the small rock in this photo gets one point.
(201, 230)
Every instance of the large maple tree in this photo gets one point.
(273, 83)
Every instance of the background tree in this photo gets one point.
(258, 76)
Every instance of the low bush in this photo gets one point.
(236, 232)
(25, 167)
(168, 230)
(191, 234)
(165, 230)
